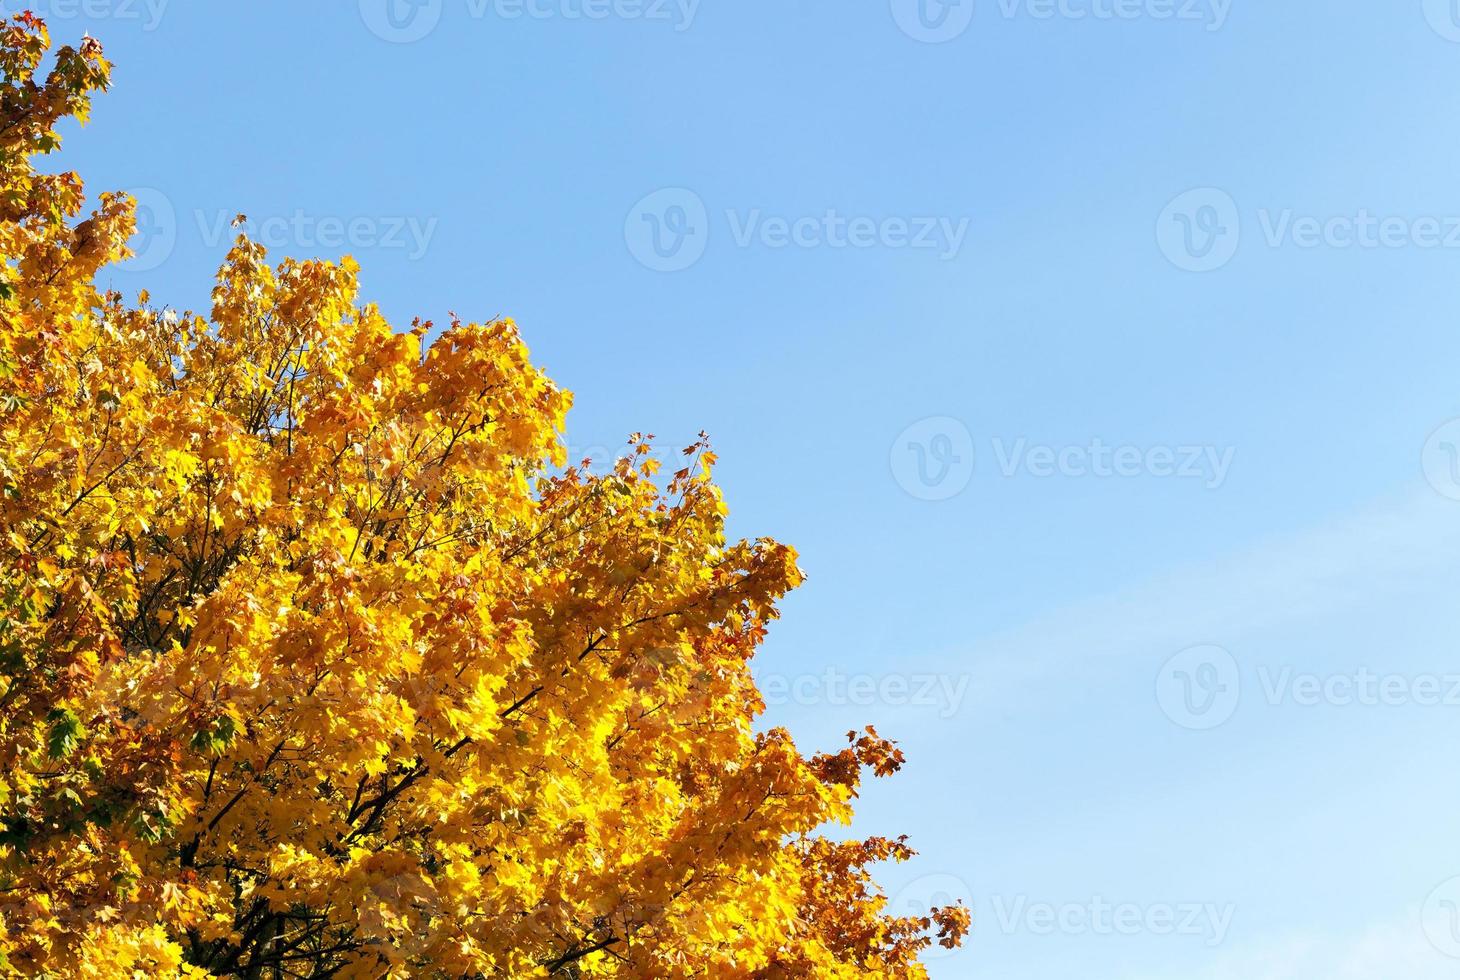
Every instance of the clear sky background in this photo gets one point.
(1173, 374)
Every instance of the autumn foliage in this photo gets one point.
(317, 659)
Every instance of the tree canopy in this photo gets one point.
(317, 658)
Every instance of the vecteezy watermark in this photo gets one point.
(1444, 18)
(404, 21)
(833, 230)
(1199, 688)
(1440, 918)
(1441, 460)
(1210, 464)
(942, 694)
(937, 21)
(331, 233)
(669, 229)
(1211, 14)
(159, 230)
(1096, 916)
(932, 459)
(1284, 685)
(401, 21)
(1362, 229)
(933, 21)
(1199, 230)
(919, 897)
(598, 458)
(156, 235)
(1207, 921)
(146, 13)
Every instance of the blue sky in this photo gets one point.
(1061, 336)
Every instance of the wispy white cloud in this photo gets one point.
(1389, 548)
(1376, 586)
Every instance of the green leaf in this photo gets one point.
(66, 732)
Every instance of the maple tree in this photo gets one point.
(316, 659)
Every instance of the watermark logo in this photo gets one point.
(1199, 231)
(1207, 921)
(1362, 230)
(147, 13)
(938, 21)
(1098, 459)
(920, 896)
(941, 694)
(933, 21)
(156, 235)
(680, 13)
(1212, 14)
(933, 459)
(1361, 687)
(599, 458)
(1199, 688)
(160, 228)
(405, 21)
(1014, 915)
(1441, 918)
(1444, 18)
(668, 230)
(327, 233)
(401, 21)
(1441, 460)
(835, 230)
